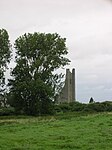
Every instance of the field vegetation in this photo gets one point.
(71, 130)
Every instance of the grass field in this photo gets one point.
(62, 132)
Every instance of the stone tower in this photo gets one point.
(68, 92)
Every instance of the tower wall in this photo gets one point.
(68, 92)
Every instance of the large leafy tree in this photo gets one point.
(34, 82)
(5, 55)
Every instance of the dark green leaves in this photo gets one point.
(5, 53)
(35, 83)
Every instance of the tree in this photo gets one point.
(91, 100)
(5, 56)
(34, 82)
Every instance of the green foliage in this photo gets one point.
(64, 107)
(77, 106)
(107, 105)
(69, 107)
(7, 111)
(34, 82)
(5, 54)
(98, 107)
(80, 107)
(70, 132)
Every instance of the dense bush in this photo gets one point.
(7, 111)
(94, 107)
(76, 106)
(108, 105)
(98, 107)
(66, 107)
(81, 107)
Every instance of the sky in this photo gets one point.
(87, 26)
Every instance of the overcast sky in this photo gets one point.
(87, 26)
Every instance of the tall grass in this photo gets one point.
(62, 132)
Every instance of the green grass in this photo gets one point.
(63, 132)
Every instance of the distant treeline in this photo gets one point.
(68, 107)
(82, 107)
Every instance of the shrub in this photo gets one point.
(7, 111)
(107, 105)
(65, 107)
(76, 106)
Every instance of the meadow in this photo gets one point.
(61, 132)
